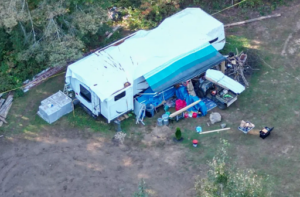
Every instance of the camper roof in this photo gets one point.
(107, 70)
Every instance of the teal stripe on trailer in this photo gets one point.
(184, 68)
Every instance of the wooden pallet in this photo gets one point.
(4, 109)
(42, 77)
(123, 117)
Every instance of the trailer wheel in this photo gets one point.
(200, 93)
(88, 111)
(222, 106)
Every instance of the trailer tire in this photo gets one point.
(200, 93)
(88, 111)
(222, 106)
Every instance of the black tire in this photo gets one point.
(88, 111)
(200, 93)
(222, 106)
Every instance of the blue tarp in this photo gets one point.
(209, 104)
(182, 94)
(156, 98)
(183, 67)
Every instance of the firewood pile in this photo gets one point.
(5, 105)
(236, 67)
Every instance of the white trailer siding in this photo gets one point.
(75, 85)
(120, 103)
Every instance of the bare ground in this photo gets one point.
(72, 166)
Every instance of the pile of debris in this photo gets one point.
(5, 106)
(236, 68)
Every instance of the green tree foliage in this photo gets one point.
(151, 13)
(36, 34)
(224, 180)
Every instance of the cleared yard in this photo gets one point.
(76, 157)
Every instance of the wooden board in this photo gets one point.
(1, 102)
(252, 20)
(3, 119)
(212, 131)
(184, 109)
(6, 106)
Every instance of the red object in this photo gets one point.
(195, 115)
(195, 141)
(180, 104)
(186, 115)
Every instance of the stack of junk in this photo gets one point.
(212, 89)
(55, 106)
(148, 69)
(177, 96)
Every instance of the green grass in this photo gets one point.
(23, 116)
(235, 42)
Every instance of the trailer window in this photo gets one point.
(119, 96)
(85, 93)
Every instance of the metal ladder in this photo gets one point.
(142, 113)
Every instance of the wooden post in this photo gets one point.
(223, 67)
(252, 20)
(212, 131)
(184, 109)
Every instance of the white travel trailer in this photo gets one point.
(180, 48)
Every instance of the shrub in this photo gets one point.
(225, 180)
(178, 134)
(141, 190)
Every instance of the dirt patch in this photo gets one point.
(55, 166)
(159, 135)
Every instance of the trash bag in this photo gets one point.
(180, 104)
(215, 117)
(181, 93)
(203, 108)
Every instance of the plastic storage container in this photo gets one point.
(165, 119)
(150, 110)
(159, 122)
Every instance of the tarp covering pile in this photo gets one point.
(182, 94)
(222, 80)
(175, 51)
(154, 98)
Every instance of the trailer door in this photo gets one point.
(121, 103)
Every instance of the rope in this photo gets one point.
(33, 83)
(229, 7)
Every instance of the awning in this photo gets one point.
(222, 80)
(183, 68)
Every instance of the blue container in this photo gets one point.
(150, 110)
(165, 118)
(160, 122)
(198, 129)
